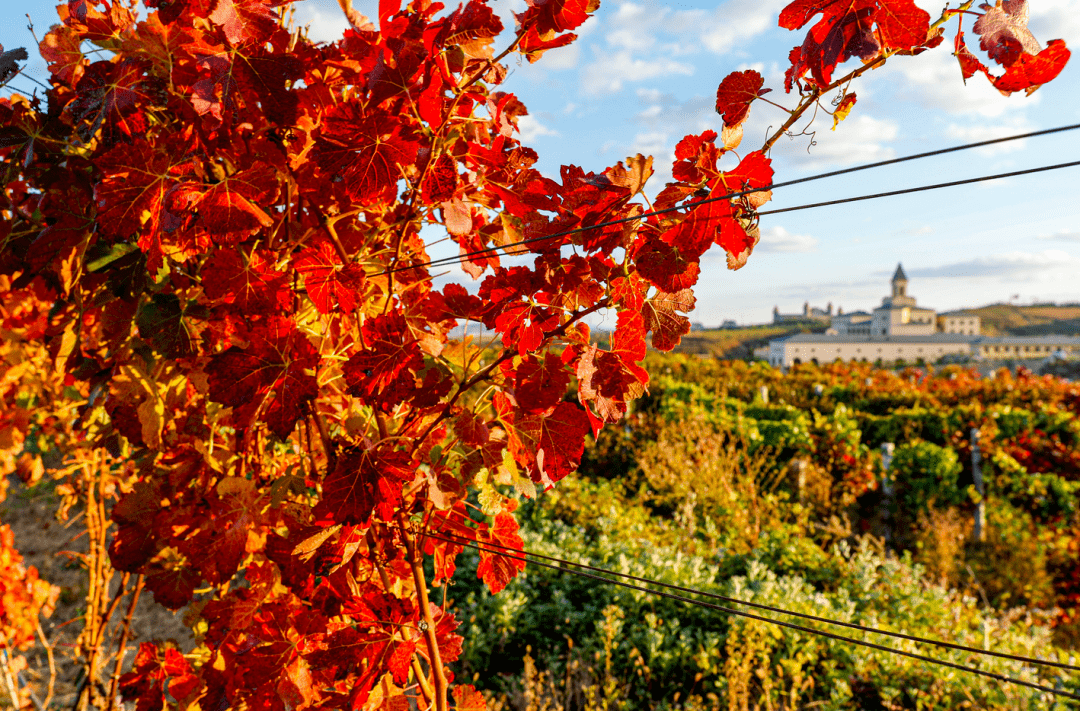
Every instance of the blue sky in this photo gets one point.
(644, 73)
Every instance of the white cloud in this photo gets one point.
(531, 128)
(860, 139)
(326, 24)
(694, 115)
(607, 74)
(1062, 236)
(1055, 19)
(1008, 264)
(737, 21)
(777, 239)
(562, 58)
(651, 144)
(932, 80)
(974, 134)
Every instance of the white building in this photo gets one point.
(900, 330)
(898, 315)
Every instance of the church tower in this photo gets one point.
(899, 282)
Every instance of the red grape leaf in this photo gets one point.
(735, 93)
(400, 663)
(365, 482)
(663, 320)
(155, 669)
(61, 48)
(328, 283)
(533, 44)
(115, 98)
(496, 567)
(695, 161)
(608, 381)
(132, 189)
(540, 384)
(248, 282)
(229, 209)
(388, 363)
(550, 446)
(969, 63)
(524, 325)
(473, 28)
(629, 337)
(458, 218)
(1003, 32)
(847, 29)
(467, 698)
(368, 151)
(1031, 71)
(268, 378)
(665, 267)
(558, 15)
(440, 183)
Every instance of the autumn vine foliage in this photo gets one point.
(213, 227)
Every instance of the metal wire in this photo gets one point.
(789, 625)
(921, 188)
(490, 251)
(769, 608)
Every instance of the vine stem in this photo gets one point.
(125, 632)
(9, 681)
(438, 674)
(814, 95)
(52, 665)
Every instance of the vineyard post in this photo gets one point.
(764, 392)
(976, 473)
(887, 449)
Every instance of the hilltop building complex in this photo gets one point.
(901, 330)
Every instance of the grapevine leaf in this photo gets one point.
(365, 482)
(1003, 32)
(850, 28)
(330, 284)
(843, 109)
(541, 383)
(550, 445)
(386, 367)
(366, 151)
(735, 93)
(270, 377)
(467, 698)
(116, 99)
(1030, 72)
(969, 63)
(663, 320)
(496, 567)
(248, 282)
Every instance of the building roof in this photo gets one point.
(907, 303)
(1029, 340)
(825, 338)
(899, 275)
(855, 313)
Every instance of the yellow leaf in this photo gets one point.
(152, 418)
(842, 110)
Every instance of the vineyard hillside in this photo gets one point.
(1035, 320)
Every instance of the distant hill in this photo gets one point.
(739, 343)
(1034, 320)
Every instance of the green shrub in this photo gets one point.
(925, 472)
